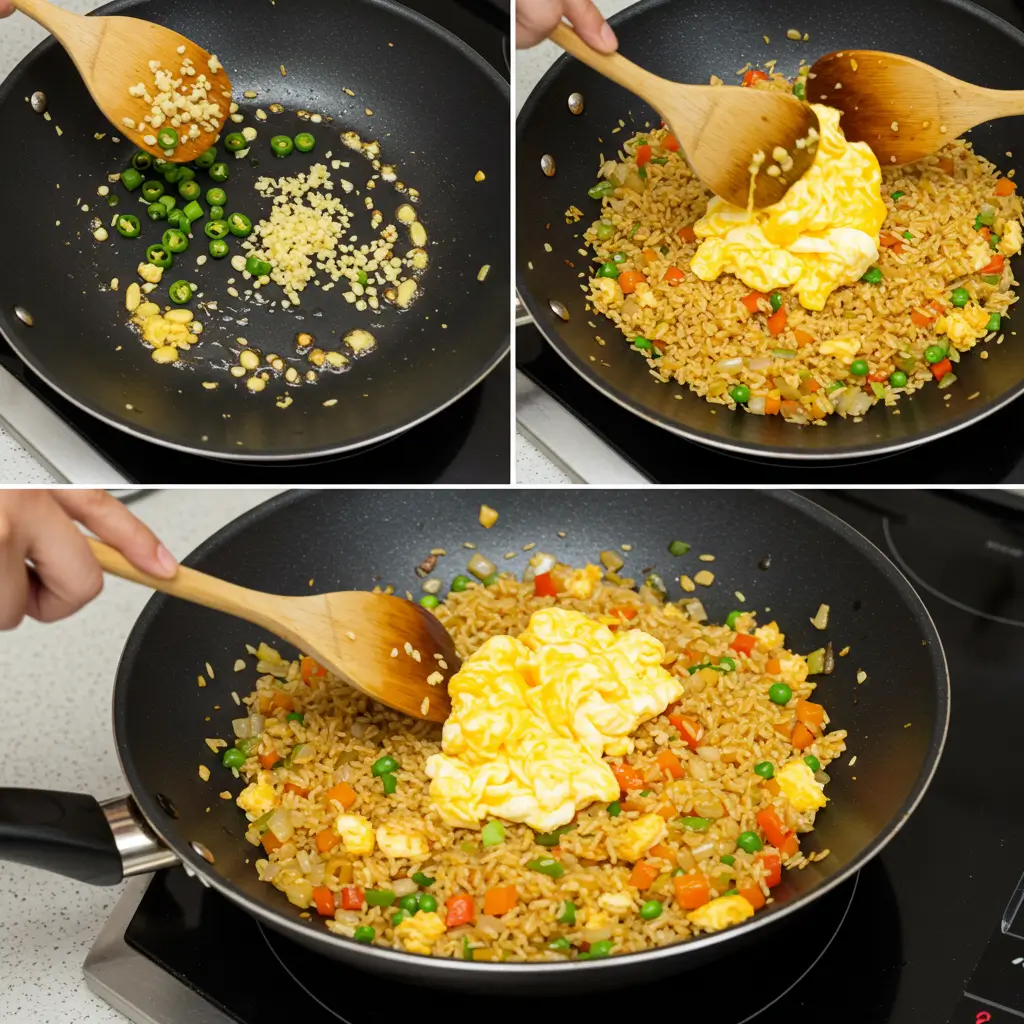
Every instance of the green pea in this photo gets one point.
(727, 665)
(730, 619)
(490, 581)
(399, 916)
(800, 89)
(608, 270)
(619, 257)
(560, 945)
(601, 189)
(390, 783)
(776, 301)
(424, 880)
(993, 242)
(813, 763)
(908, 235)
(740, 394)
(364, 933)
(898, 379)
(604, 230)
(859, 368)
(693, 824)
(994, 321)
(934, 354)
(568, 914)
(749, 842)
(379, 897)
(898, 195)
(602, 948)
(429, 601)
(233, 758)
(650, 910)
(410, 903)
(641, 342)
(960, 297)
(779, 693)
(459, 584)
(872, 275)
(492, 834)
(614, 809)
(728, 859)
(384, 764)
(427, 903)
(678, 548)
(765, 769)
(294, 716)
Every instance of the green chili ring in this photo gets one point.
(216, 229)
(160, 256)
(180, 292)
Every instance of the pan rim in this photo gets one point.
(9, 329)
(325, 940)
(752, 449)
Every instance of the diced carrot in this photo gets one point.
(643, 154)
(768, 821)
(773, 867)
(263, 705)
(692, 890)
(324, 900)
(946, 166)
(743, 642)
(663, 852)
(801, 737)
(643, 875)
(670, 142)
(687, 234)
(790, 845)
(897, 248)
(500, 900)
(985, 233)
(352, 897)
(773, 666)
(659, 344)
(788, 407)
(327, 840)
(753, 895)
(666, 811)
(994, 265)
(753, 301)
(269, 760)
(649, 256)
(625, 612)
(777, 322)
(673, 275)
(811, 714)
(880, 377)
(271, 842)
(290, 787)
(544, 585)
(771, 406)
(771, 786)
(802, 337)
(937, 307)
(282, 699)
(626, 805)
(689, 729)
(628, 777)
(1005, 187)
(343, 794)
(754, 75)
(812, 385)
(941, 368)
(670, 764)
(311, 668)
(921, 319)
(460, 910)
(629, 279)
(888, 240)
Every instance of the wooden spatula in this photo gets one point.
(112, 54)
(903, 109)
(352, 633)
(720, 128)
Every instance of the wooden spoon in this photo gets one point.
(351, 632)
(720, 128)
(903, 109)
(113, 53)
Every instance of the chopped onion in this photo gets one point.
(783, 353)
(304, 862)
(593, 935)
(431, 586)
(280, 824)
(480, 567)
(489, 926)
(403, 887)
(709, 754)
(611, 560)
(788, 391)
(947, 380)
(706, 849)
(823, 777)
(303, 752)
(358, 730)
(820, 620)
(695, 610)
(242, 728)
(542, 562)
(256, 724)
(757, 405)
(729, 364)
(759, 363)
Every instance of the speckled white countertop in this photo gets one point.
(62, 675)
(532, 466)
(18, 34)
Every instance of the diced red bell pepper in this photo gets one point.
(995, 265)
(673, 275)
(324, 900)
(754, 75)
(689, 729)
(941, 368)
(460, 910)
(628, 777)
(670, 142)
(643, 154)
(773, 868)
(775, 832)
(352, 897)
(743, 642)
(544, 585)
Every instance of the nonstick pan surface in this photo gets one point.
(440, 113)
(688, 40)
(356, 539)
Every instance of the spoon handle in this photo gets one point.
(53, 18)
(190, 585)
(612, 65)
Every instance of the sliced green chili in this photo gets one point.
(156, 211)
(281, 145)
(218, 248)
(234, 142)
(207, 158)
(180, 292)
(217, 213)
(131, 178)
(175, 240)
(141, 160)
(257, 267)
(240, 225)
(128, 225)
(193, 211)
(216, 229)
(216, 196)
(159, 255)
(552, 838)
(167, 138)
(546, 866)
(152, 190)
(219, 172)
(189, 190)
(304, 142)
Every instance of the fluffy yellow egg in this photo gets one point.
(356, 833)
(721, 912)
(419, 933)
(822, 234)
(258, 797)
(800, 788)
(533, 716)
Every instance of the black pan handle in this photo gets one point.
(73, 834)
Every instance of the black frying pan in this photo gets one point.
(440, 113)
(688, 40)
(159, 712)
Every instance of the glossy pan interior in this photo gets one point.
(688, 40)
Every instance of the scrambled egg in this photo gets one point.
(800, 788)
(639, 836)
(396, 842)
(964, 326)
(258, 797)
(721, 912)
(419, 932)
(581, 582)
(532, 716)
(770, 636)
(822, 234)
(356, 833)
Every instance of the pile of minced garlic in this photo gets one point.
(170, 333)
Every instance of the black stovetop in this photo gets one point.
(917, 929)
(469, 442)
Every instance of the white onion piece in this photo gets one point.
(489, 926)
(593, 935)
(542, 562)
(757, 405)
(729, 364)
(302, 858)
(241, 728)
(820, 620)
(403, 887)
(256, 723)
(280, 823)
(480, 567)
(709, 753)
(759, 363)
(823, 777)
(704, 850)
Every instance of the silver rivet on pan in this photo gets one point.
(558, 309)
(547, 165)
(202, 851)
(23, 315)
(576, 103)
(38, 102)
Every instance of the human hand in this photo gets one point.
(38, 527)
(5, 9)
(535, 20)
